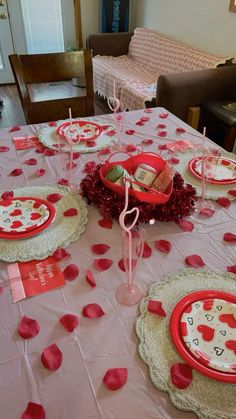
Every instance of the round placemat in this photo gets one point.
(212, 191)
(48, 137)
(60, 233)
(207, 398)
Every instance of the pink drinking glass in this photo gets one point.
(129, 293)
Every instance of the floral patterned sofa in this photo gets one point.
(132, 63)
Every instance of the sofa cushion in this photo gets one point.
(122, 72)
(158, 51)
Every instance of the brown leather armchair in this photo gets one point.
(184, 93)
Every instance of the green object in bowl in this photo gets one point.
(115, 173)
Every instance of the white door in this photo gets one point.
(30, 26)
(6, 43)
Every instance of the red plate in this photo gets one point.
(24, 217)
(176, 331)
(223, 172)
(90, 130)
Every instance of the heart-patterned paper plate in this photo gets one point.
(203, 329)
(24, 217)
(79, 131)
(218, 170)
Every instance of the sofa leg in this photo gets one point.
(193, 116)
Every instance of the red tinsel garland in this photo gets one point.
(110, 204)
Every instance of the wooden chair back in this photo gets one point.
(36, 74)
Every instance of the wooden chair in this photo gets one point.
(44, 83)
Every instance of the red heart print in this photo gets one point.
(207, 305)
(231, 344)
(15, 213)
(16, 224)
(207, 332)
(35, 216)
(229, 319)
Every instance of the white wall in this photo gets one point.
(204, 24)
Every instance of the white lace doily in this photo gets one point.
(60, 233)
(48, 137)
(208, 398)
(212, 191)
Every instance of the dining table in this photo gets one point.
(74, 351)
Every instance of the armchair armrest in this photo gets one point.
(114, 44)
(177, 92)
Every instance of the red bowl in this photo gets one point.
(151, 197)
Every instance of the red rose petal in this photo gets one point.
(140, 123)
(90, 279)
(121, 265)
(161, 126)
(224, 202)
(180, 130)
(49, 152)
(7, 195)
(51, 357)
(156, 308)
(100, 249)
(75, 155)
(181, 375)
(54, 197)
(102, 264)
(174, 160)
(93, 311)
(60, 254)
(232, 269)
(40, 150)
(71, 272)
(163, 246)
(144, 118)
(115, 378)
(162, 133)
(162, 147)
(4, 148)
(68, 165)
(15, 128)
(110, 133)
(91, 143)
(207, 212)
(28, 328)
(34, 411)
(63, 182)
(70, 212)
(147, 251)
(232, 192)
(147, 141)
(229, 237)
(195, 261)
(130, 131)
(40, 172)
(130, 148)
(16, 172)
(163, 115)
(185, 225)
(30, 162)
(1, 290)
(105, 223)
(69, 321)
(105, 151)
(52, 124)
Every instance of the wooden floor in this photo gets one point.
(11, 111)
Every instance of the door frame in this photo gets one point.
(17, 25)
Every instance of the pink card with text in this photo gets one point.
(34, 277)
(22, 143)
